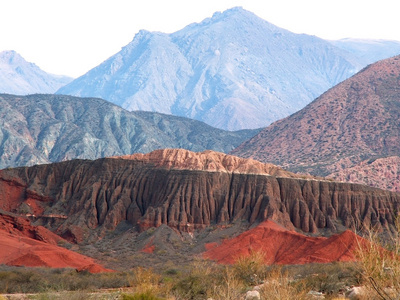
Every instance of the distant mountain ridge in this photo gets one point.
(17, 76)
(352, 128)
(232, 71)
(39, 129)
(369, 50)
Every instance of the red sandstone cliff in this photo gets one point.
(100, 194)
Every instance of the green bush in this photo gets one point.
(141, 296)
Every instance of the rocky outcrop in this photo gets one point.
(356, 121)
(207, 161)
(96, 196)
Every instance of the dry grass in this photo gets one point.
(380, 263)
(279, 285)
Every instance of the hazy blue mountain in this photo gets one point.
(232, 71)
(369, 50)
(39, 129)
(17, 76)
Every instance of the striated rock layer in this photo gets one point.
(207, 161)
(82, 199)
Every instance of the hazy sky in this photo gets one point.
(70, 37)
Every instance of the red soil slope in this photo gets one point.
(282, 246)
(22, 244)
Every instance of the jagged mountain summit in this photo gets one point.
(17, 76)
(352, 128)
(232, 71)
(39, 129)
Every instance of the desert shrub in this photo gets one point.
(141, 296)
(22, 280)
(228, 286)
(204, 279)
(42, 280)
(250, 269)
(279, 285)
(380, 263)
(147, 283)
(331, 278)
(197, 282)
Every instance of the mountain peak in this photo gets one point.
(234, 11)
(232, 71)
(18, 76)
(11, 57)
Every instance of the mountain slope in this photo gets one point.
(369, 51)
(46, 128)
(357, 120)
(17, 76)
(232, 71)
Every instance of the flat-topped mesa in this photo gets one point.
(208, 160)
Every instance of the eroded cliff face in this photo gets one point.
(81, 197)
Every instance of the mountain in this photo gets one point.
(356, 122)
(38, 129)
(368, 50)
(17, 76)
(164, 202)
(231, 71)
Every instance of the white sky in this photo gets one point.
(70, 37)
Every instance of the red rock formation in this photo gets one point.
(212, 161)
(22, 244)
(101, 194)
(282, 246)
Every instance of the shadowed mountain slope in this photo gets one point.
(47, 128)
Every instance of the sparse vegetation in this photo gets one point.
(380, 263)
(378, 271)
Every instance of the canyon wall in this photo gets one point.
(79, 196)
